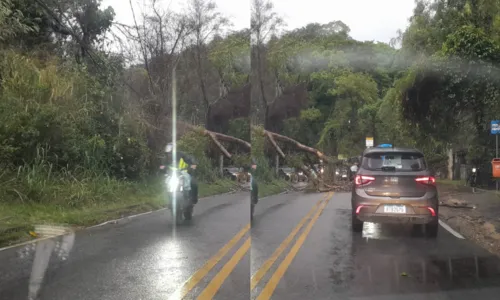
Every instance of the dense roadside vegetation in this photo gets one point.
(435, 87)
(83, 126)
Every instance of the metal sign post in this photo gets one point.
(495, 129)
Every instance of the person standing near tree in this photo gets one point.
(254, 188)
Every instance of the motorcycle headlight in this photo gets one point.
(173, 183)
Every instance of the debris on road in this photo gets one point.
(457, 204)
(479, 220)
(339, 187)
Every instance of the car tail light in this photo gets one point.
(362, 179)
(358, 209)
(433, 212)
(426, 180)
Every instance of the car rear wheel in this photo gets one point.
(431, 229)
(356, 224)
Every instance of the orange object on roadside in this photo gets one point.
(495, 166)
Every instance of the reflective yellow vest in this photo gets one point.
(182, 164)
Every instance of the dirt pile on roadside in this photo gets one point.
(474, 215)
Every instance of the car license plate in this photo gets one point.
(391, 180)
(395, 209)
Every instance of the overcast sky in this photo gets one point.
(376, 20)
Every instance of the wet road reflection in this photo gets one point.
(389, 260)
(138, 258)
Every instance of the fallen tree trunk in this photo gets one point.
(273, 142)
(318, 180)
(221, 147)
(218, 135)
(275, 136)
(233, 139)
(215, 137)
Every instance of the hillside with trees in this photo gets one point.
(87, 106)
(435, 87)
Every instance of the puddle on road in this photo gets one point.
(378, 275)
(392, 260)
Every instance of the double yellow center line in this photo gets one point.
(215, 284)
(271, 285)
(217, 281)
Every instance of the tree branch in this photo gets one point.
(302, 147)
(271, 139)
(221, 147)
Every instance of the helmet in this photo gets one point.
(169, 147)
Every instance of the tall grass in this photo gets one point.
(65, 151)
(41, 183)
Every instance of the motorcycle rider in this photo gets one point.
(184, 161)
(472, 179)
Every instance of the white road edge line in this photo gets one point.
(128, 217)
(450, 230)
(116, 220)
(98, 225)
(282, 193)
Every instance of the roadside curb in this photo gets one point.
(101, 224)
(147, 212)
(487, 191)
(282, 193)
(469, 188)
(116, 221)
(124, 218)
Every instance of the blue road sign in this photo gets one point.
(495, 127)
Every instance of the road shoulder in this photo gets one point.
(473, 215)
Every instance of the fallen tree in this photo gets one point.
(316, 177)
(216, 137)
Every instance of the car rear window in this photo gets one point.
(402, 161)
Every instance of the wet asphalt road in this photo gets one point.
(327, 261)
(144, 258)
(301, 248)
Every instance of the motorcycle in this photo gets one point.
(179, 195)
(343, 174)
(472, 179)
